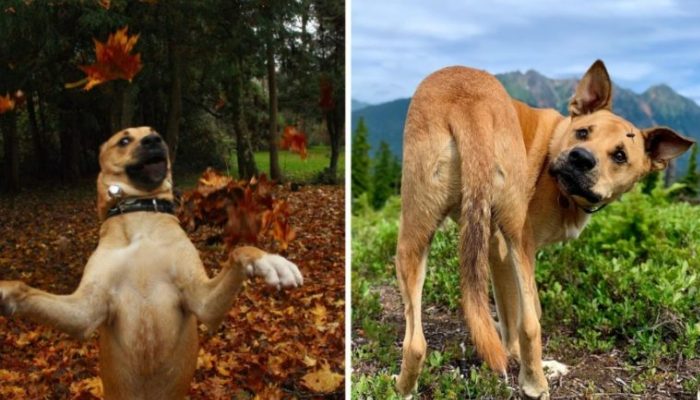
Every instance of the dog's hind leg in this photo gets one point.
(504, 290)
(429, 189)
(531, 379)
(411, 257)
(517, 275)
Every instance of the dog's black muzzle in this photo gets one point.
(575, 172)
(151, 165)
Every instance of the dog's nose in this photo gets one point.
(582, 159)
(151, 140)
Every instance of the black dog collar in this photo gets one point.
(133, 205)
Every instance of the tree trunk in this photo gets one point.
(41, 153)
(172, 129)
(275, 173)
(11, 150)
(334, 133)
(70, 146)
(116, 91)
(129, 95)
(42, 115)
(244, 151)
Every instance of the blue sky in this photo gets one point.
(396, 43)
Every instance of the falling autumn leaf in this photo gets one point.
(294, 141)
(113, 61)
(324, 380)
(7, 103)
(246, 210)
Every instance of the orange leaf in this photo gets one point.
(323, 380)
(113, 60)
(90, 385)
(294, 141)
(7, 103)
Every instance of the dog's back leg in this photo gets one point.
(516, 274)
(427, 193)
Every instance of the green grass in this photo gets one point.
(293, 167)
(630, 282)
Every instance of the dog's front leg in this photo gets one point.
(77, 314)
(210, 299)
(505, 290)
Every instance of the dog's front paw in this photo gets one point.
(10, 294)
(276, 270)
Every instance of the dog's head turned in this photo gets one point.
(136, 160)
(597, 155)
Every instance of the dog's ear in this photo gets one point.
(663, 145)
(593, 93)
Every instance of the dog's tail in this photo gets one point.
(477, 162)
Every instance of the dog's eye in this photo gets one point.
(581, 133)
(619, 157)
(124, 141)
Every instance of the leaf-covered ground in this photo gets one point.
(272, 345)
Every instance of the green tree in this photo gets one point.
(386, 176)
(691, 180)
(360, 161)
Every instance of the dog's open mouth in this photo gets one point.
(155, 166)
(150, 172)
(575, 187)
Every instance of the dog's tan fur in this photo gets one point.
(473, 153)
(144, 287)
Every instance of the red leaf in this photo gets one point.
(294, 141)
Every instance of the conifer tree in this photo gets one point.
(360, 161)
(386, 176)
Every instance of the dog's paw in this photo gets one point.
(9, 295)
(409, 396)
(553, 369)
(276, 270)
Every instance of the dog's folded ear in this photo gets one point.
(593, 93)
(662, 145)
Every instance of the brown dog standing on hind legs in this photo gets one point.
(515, 178)
(145, 286)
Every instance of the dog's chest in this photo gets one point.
(146, 311)
(566, 227)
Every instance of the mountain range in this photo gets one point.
(658, 105)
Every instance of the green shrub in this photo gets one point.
(630, 281)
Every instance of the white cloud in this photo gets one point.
(643, 42)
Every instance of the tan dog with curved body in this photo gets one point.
(145, 286)
(515, 178)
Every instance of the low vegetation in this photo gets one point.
(294, 168)
(621, 305)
